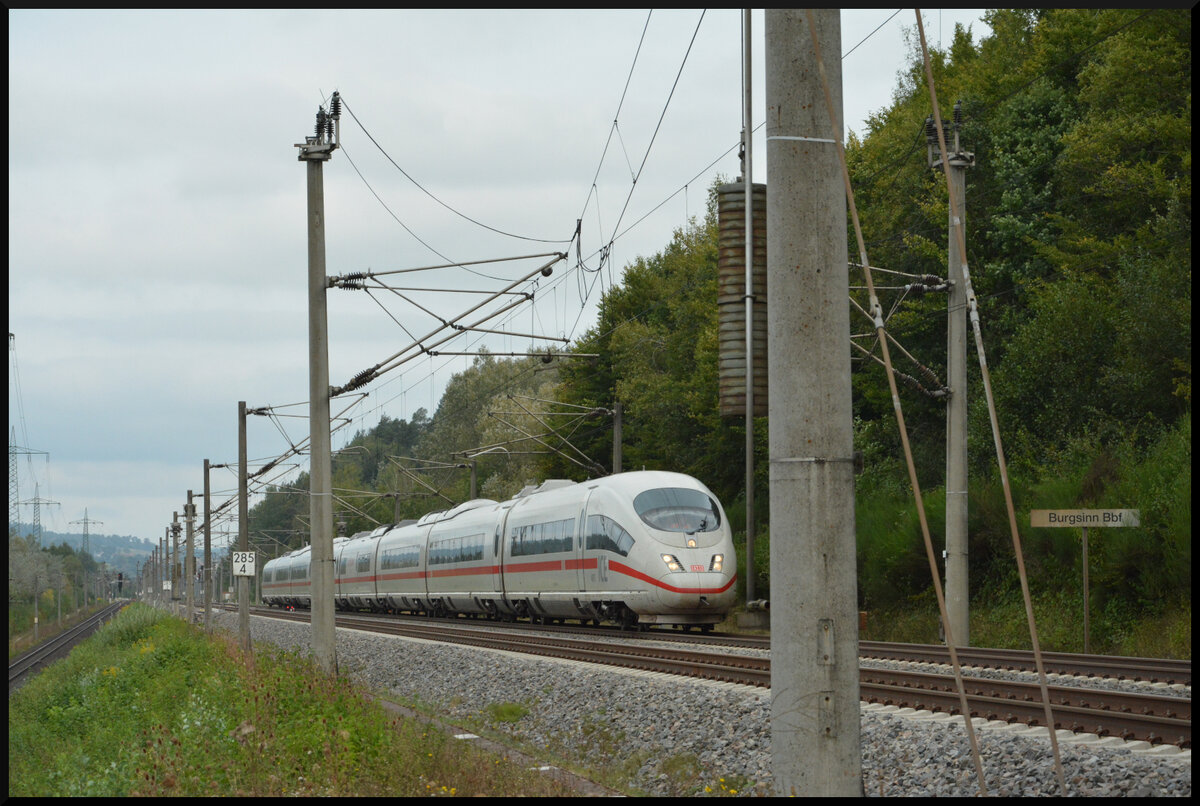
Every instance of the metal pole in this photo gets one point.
(618, 412)
(748, 175)
(189, 559)
(258, 569)
(160, 572)
(314, 152)
(815, 721)
(958, 601)
(159, 566)
(207, 582)
(35, 607)
(243, 530)
(1087, 632)
(175, 571)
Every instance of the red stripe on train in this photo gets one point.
(621, 568)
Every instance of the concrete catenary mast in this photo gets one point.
(815, 721)
(315, 151)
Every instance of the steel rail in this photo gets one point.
(1125, 715)
(25, 665)
(1154, 670)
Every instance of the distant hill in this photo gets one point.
(121, 552)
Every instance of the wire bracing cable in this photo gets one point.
(877, 315)
(973, 314)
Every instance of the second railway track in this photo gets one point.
(1147, 717)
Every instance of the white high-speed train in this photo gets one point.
(639, 548)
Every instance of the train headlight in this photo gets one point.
(673, 564)
(718, 560)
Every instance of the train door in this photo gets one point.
(579, 553)
(498, 558)
(594, 563)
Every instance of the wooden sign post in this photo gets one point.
(1085, 518)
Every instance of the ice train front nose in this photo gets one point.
(695, 580)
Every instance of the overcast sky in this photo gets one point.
(157, 226)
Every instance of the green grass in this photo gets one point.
(1115, 628)
(507, 711)
(151, 706)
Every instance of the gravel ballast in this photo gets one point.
(668, 736)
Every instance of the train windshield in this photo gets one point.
(676, 509)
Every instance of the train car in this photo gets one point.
(354, 570)
(461, 574)
(638, 548)
(290, 579)
(659, 547)
(541, 553)
(400, 580)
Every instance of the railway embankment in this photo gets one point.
(657, 734)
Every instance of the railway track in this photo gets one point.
(42, 655)
(1148, 717)
(1149, 670)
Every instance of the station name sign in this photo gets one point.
(1084, 517)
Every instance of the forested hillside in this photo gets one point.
(1078, 221)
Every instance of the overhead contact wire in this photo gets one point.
(435, 198)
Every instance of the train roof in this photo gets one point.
(637, 480)
(466, 506)
(545, 486)
(629, 483)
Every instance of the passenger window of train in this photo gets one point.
(399, 558)
(363, 564)
(605, 534)
(675, 509)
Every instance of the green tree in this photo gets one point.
(656, 335)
